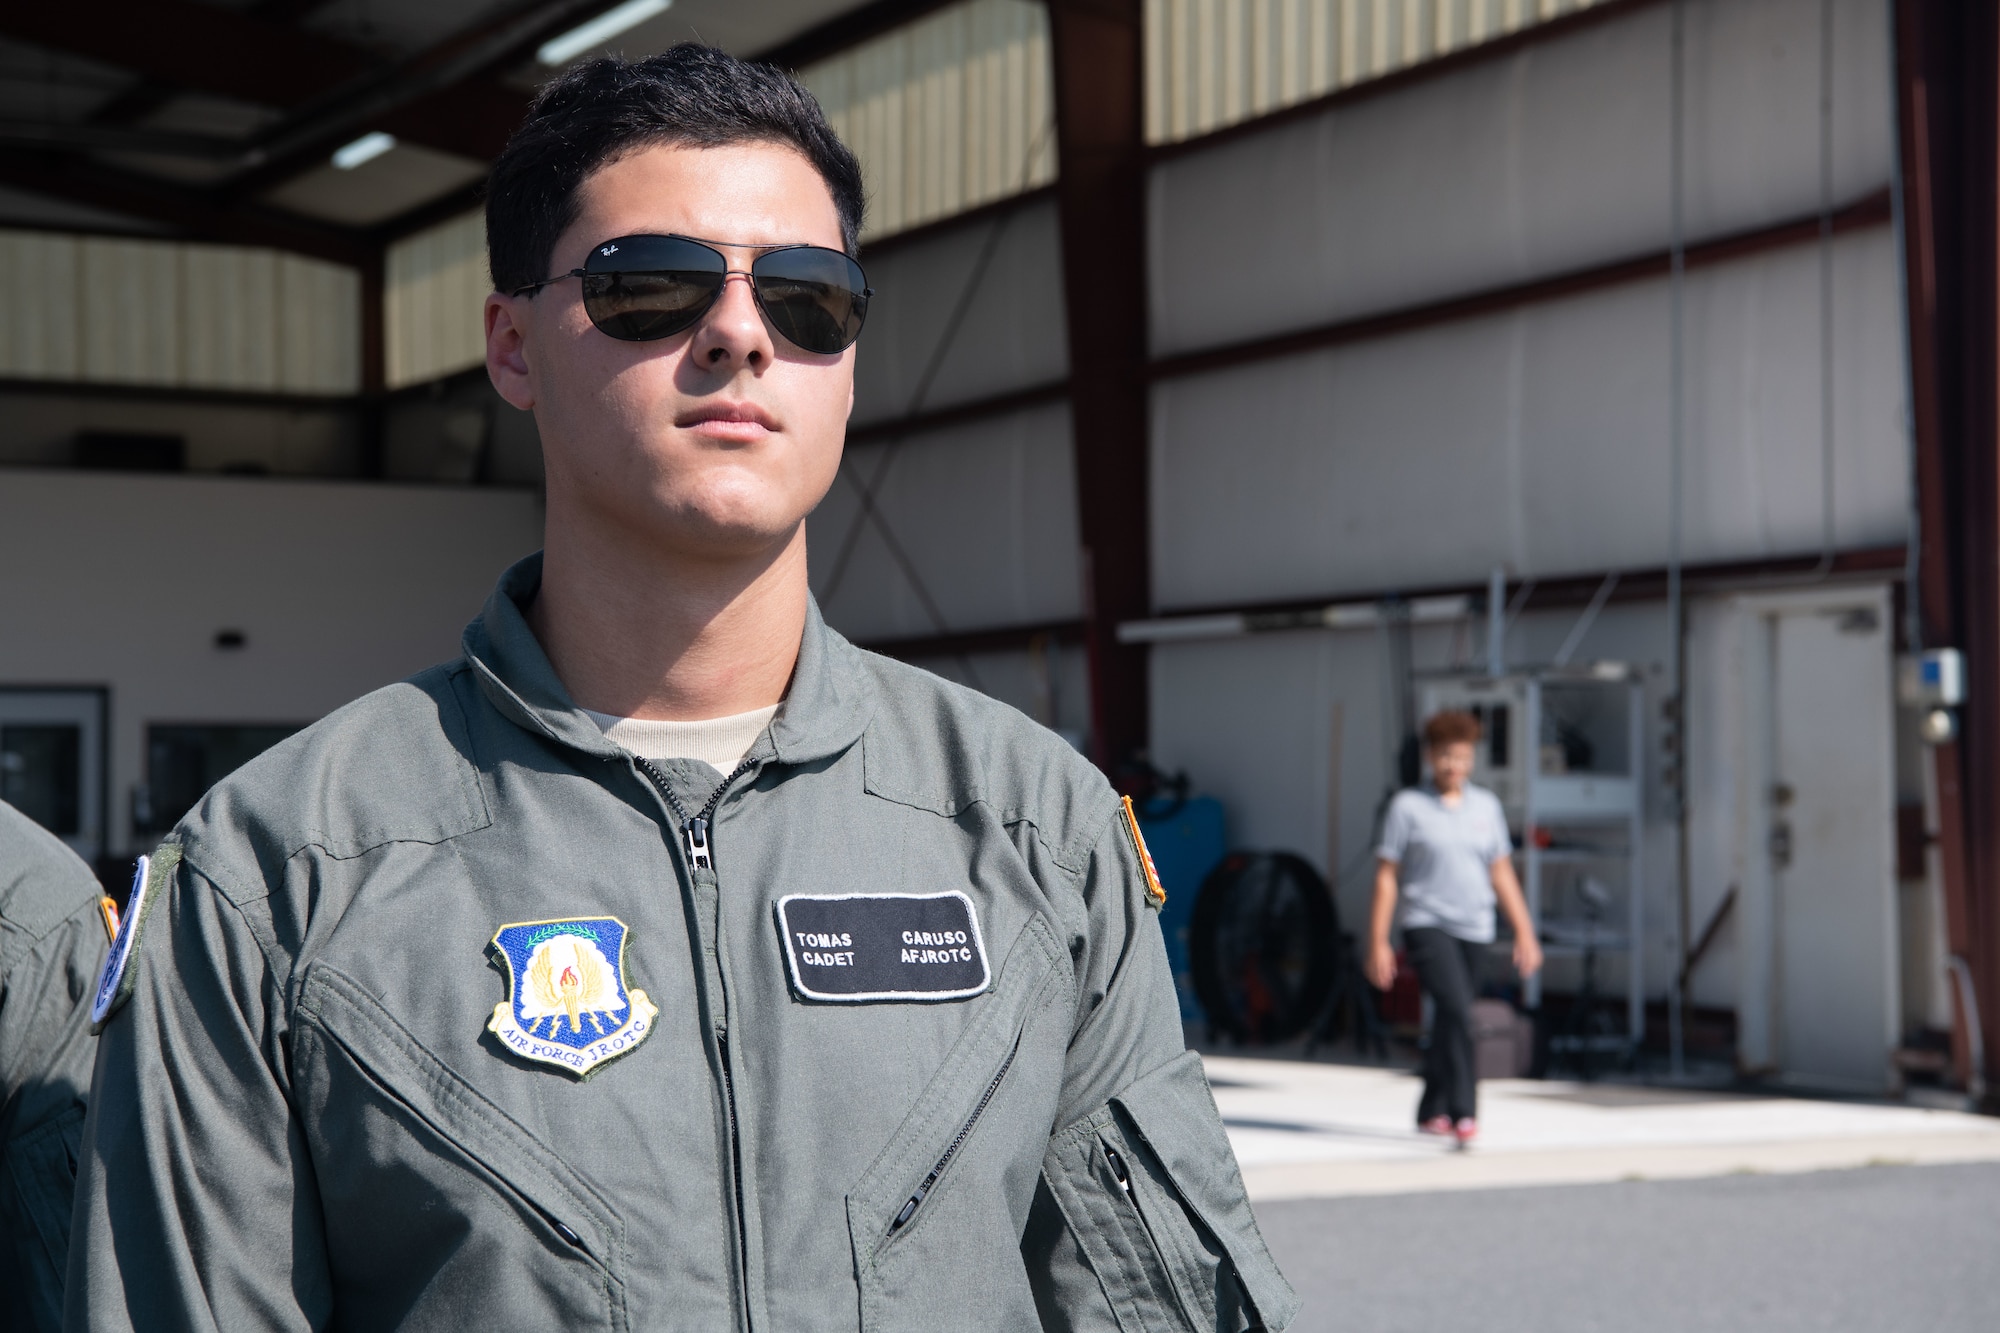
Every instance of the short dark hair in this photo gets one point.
(1451, 727)
(595, 113)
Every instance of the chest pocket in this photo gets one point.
(457, 1194)
(931, 1214)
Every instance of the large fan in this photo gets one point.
(1264, 946)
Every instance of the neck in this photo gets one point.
(652, 633)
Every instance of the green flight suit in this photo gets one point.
(51, 944)
(312, 1114)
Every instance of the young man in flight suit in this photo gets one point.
(665, 961)
(52, 934)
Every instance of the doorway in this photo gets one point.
(1815, 837)
(52, 761)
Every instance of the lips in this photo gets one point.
(728, 420)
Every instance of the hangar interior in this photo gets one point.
(1245, 378)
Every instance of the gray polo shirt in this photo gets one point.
(1444, 856)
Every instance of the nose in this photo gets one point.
(732, 335)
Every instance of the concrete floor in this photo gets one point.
(1616, 1207)
(1905, 1248)
(1305, 1130)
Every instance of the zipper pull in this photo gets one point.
(910, 1209)
(1118, 1169)
(694, 834)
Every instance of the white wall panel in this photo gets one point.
(985, 512)
(1548, 160)
(106, 310)
(946, 113)
(1539, 439)
(319, 327)
(39, 300)
(339, 587)
(1211, 63)
(433, 301)
(1048, 682)
(231, 300)
(131, 297)
(1012, 335)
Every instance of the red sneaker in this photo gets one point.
(1439, 1125)
(1467, 1130)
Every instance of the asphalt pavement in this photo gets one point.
(1905, 1248)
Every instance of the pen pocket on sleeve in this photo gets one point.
(1150, 1189)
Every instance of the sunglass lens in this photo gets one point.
(640, 288)
(816, 298)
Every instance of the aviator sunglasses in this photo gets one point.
(641, 288)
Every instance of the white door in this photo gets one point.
(52, 762)
(1816, 838)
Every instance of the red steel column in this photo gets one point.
(1948, 109)
(1100, 150)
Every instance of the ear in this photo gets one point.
(507, 348)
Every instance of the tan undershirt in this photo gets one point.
(719, 742)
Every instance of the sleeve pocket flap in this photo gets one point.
(1175, 1114)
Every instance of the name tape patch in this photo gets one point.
(883, 946)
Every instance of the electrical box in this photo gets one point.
(1933, 679)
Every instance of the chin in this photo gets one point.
(727, 529)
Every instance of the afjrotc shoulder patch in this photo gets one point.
(567, 1004)
(1155, 895)
(150, 880)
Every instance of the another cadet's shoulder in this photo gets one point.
(943, 746)
(42, 882)
(393, 766)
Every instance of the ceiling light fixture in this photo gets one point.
(558, 50)
(365, 149)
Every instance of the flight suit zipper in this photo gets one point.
(695, 844)
(916, 1201)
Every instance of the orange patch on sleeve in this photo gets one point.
(1154, 893)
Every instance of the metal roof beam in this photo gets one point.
(190, 212)
(189, 45)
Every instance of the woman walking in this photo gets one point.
(1445, 858)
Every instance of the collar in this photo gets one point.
(825, 710)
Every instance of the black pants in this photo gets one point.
(1448, 970)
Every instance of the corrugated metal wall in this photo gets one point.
(1544, 162)
(1538, 436)
(434, 290)
(1011, 335)
(104, 310)
(1212, 63)
(1550, 159)
(985, 515)
(946, 113)
(1538, 439)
